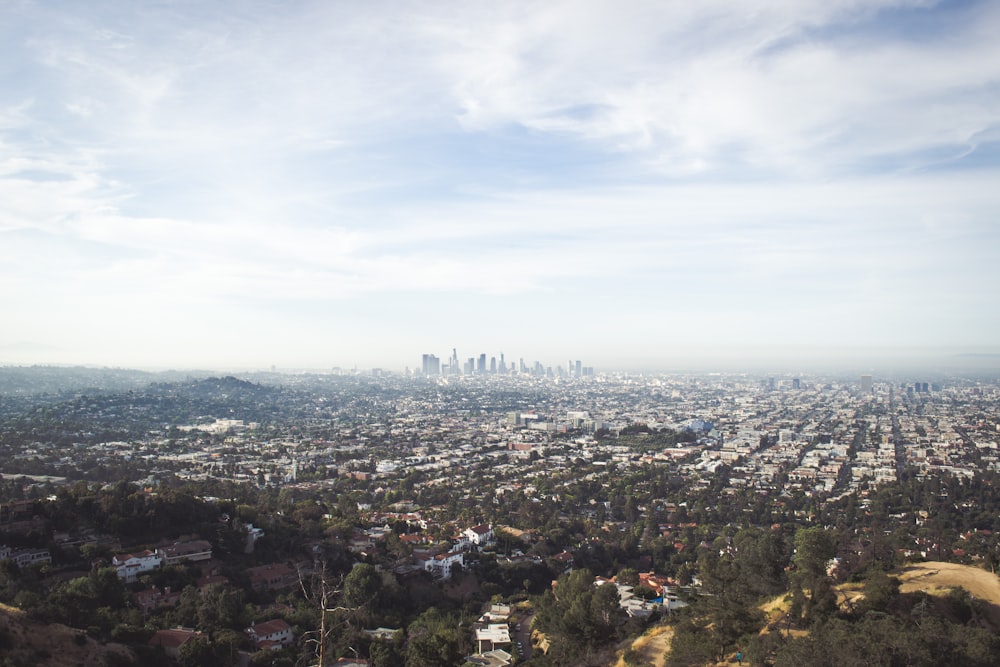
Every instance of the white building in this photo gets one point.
(480, 536)
(25, 557)
(130, 566)
(441, 565)
(271, 634)
(491, 636)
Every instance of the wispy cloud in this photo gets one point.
(773, 159)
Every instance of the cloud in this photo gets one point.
(213, 162)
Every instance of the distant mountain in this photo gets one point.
(226, 387)
(35, 380)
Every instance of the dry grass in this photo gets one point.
(935, 577)
(28, 642)
(652, 646)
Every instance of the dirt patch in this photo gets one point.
(652, 646)
(935, 577)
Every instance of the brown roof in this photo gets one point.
(270, 627)
(172, 638)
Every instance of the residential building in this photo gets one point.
(272, 634)
(130, 566)
(179, 552)
(272, 577)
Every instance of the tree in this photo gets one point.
(220, 606)
(198, 653)
(435, 640)
(628, 576)
(880, 590)
(361, 586)
(813, 548)
(578, 616)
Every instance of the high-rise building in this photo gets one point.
(866, 384)
(431, 365)
(481, 367)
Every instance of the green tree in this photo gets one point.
(628, 576)
(436, 640)
(578, 616)
(198, 652)
(813, 548)
(880, 590)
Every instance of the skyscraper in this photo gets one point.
(431, 365)
(866, 384)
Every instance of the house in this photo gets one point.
(25, 557)
(130, 566)
(415, 539)
(171, 641)
(360, 542)
(563, 561)
(179, 552)
(497, 612)
(495, 658)
(272, 634)
(488, 637)
(480, 536)
(441, 565)
(385, 634)
(658, 582)
(154, 598)
(272, 577)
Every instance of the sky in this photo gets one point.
(310, 184)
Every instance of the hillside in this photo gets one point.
(28, 643)
(933, 577)
(937, 578)
(940, 580)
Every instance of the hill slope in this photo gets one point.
(28, 643)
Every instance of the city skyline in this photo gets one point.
(668, 186)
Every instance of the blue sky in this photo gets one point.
(316, 184)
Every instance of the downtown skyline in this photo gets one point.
(672, 185)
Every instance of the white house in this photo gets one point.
(489, 637)
(25, 557)
(480, 536)
(271, 634)
(441, 565)
(130, 566)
